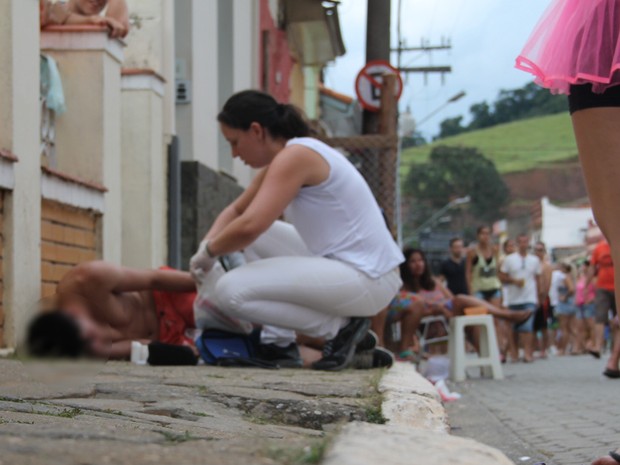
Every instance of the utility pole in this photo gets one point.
(377, 48)
(425, 47)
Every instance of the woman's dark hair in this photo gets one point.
(252, 106)
(55, 334)
(416, 283)
(481, 227)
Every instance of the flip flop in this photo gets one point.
(612, 374)
(408, 356)
(594, 353)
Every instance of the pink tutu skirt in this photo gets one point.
(575, 42)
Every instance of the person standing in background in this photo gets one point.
(453, 268)
(483, 280)
(520, 272)
(584, 300)
(545, 312)
(605, 296)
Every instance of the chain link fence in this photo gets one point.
(376, 157)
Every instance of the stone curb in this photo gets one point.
(416, 432)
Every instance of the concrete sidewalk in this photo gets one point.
(125, 414)
(561, 411)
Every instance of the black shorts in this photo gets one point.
(582, 97)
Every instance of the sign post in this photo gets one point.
(370, 80)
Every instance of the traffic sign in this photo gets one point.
(368, 84)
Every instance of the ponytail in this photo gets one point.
(252, 106)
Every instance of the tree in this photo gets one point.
(451, 127)
(481, 116)
(511, 105)
(453, 172)
(415, 139)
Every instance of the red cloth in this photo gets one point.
(175, 313)
(601, 259)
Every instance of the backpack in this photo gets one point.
(224, 348)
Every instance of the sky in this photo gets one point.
(486, 36)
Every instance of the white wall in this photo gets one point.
(143, 175)
(217, 67)
(150, 45)
(246, 54)
(19, 133)
(563, 227)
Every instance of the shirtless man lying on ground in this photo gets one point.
(100, 308)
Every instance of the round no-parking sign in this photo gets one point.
(369, 80)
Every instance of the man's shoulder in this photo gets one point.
(509, 259)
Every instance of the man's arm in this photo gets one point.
(469, 264)
(118, 10)
(539, 290)
(504, 275)
(101, 276)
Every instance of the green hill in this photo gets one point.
(516, 146)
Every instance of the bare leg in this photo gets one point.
(580, 336)
(564, 333)
(599, 337)
(378, 325)
(527, 339)
(500, 329)
(461, 302)
(606, 460)
(513, 346)
(410, 322)
(614, 359)
(598, 141)
(589, 341)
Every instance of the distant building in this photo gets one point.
(562, 229)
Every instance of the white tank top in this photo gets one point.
(340, 218)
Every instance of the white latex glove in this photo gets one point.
(201, 262)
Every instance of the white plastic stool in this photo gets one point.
(489, 353)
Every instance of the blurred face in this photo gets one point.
(523, 243)
(416, 264)
(484, 235)
(540, 251)
(88, 7)
(509, 247)
(247, 145)
(456, 249)
(92, 333)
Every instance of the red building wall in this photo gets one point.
(276, 62)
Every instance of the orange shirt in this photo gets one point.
(601, 259)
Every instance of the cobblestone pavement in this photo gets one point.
(561, 411)
(126, 414)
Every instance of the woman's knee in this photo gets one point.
(229, 293)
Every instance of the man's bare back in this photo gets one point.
(114, 305)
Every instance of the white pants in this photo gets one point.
(285, 286)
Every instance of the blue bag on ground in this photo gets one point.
(224, 348)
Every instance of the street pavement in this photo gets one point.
(120, 413)
(560, 411)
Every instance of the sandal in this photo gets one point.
(408, 356)
(612, 374)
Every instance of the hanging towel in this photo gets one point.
(51, 85)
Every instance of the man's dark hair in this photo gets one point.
(455, 239)
(55, 334)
